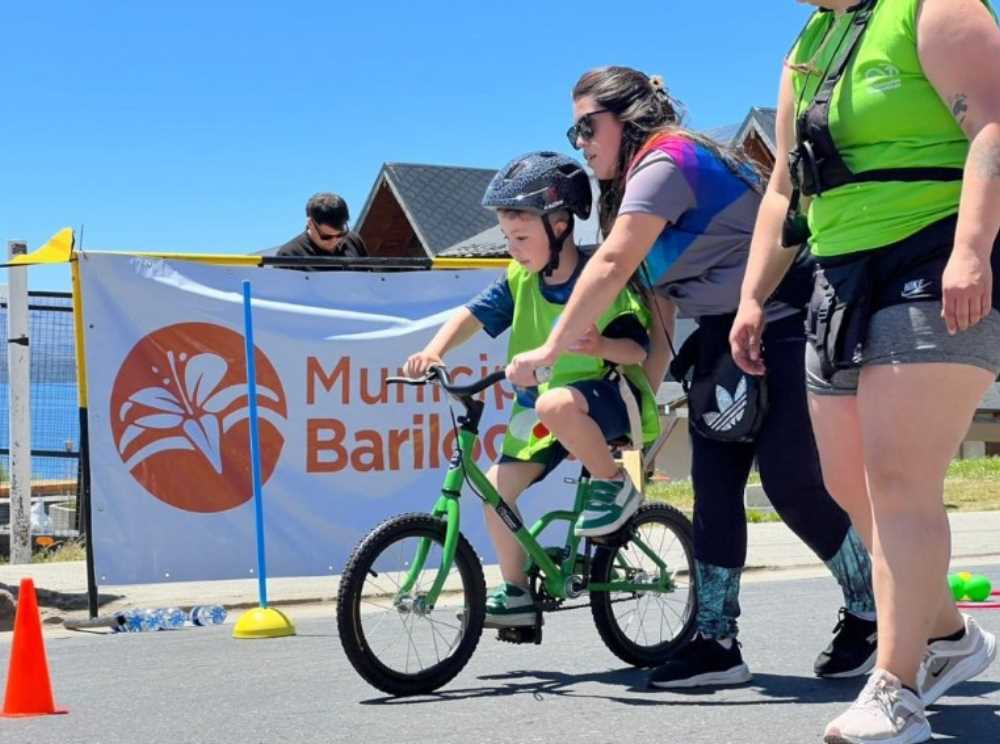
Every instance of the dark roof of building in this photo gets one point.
(490, 243)
(760, 120)
(763, 122)
(440, 201)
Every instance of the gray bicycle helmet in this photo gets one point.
(542, 183)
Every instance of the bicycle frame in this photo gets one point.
(555, 577)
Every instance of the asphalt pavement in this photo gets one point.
(201, 685)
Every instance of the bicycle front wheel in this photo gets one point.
(391, 635)
(644, 625)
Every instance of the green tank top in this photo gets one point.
(884, 113)
(534, 317)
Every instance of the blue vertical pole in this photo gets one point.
(254, 442)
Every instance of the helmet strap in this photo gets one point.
(555, 243)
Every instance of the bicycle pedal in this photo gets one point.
(614, 539)
(520, 634)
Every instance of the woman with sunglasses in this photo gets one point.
(891, 112)
(682, 208)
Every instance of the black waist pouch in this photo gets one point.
(847, 293)
(724, 403)
(838, 314)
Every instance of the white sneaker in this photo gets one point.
(510, 606)
(884, 713)
(610, 504)
(947, 663)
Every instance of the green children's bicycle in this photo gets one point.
(412, 597)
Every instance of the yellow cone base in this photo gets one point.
(263, 622)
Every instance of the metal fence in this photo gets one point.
(55, 428)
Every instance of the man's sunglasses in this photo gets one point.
(583, 129)
(327, 236)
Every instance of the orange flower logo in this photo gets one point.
(179, 416)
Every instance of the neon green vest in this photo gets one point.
(534, 317)
(884, 113)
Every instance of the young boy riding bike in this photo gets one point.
(581, 407)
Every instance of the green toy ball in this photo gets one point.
(957, 585)
(978, 588)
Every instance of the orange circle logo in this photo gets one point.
(180, 416)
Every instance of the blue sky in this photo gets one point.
(205, 126)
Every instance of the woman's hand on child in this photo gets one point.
(590, 343)
(418, 364)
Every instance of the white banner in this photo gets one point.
(168, 418)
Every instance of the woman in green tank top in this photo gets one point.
(890, 110)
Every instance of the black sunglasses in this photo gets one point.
(326, 237)
(584, 128)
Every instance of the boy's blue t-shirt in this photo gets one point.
(494, 307)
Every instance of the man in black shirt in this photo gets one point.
(327, 232)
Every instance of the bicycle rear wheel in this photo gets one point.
(643, 627)
(393, 639)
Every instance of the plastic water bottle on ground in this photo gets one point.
(208, 615)
(171, 618)
(136, 620)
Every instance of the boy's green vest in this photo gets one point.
(534, 317)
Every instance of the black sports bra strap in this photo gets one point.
(859, 24)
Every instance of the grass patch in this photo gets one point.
(680, 495)
(756, 516)
(69, 550)
(971, 485)
(976, 468)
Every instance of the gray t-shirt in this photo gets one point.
(699, 259)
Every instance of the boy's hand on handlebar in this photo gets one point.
(745, 338)
(521, 370)
(418, 364)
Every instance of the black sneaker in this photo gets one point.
(852, 651)
(702, 662)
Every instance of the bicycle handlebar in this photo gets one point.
(440, 375)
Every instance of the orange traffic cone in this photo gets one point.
(29, 692)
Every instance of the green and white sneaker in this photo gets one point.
(509, 606)
(610, 505)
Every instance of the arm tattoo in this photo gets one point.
(959, 107)
(987, 160)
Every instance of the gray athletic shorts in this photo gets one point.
(912, 333)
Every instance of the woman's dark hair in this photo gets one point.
(644, 107)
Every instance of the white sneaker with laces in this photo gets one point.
(884, 713)
(948, 663)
